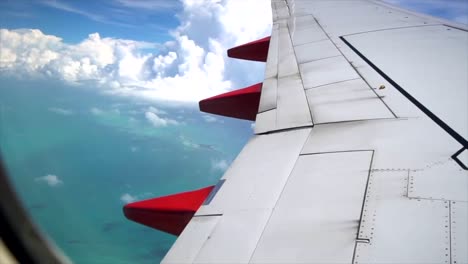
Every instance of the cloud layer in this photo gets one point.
(190, 67)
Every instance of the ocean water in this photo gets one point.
(100, 148)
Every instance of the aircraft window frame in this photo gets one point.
(24, 240)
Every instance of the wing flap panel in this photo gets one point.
(242, 229)
(326, 71)
(265, 121)
(314, 220)
(268, 95)
(316, 50)
(345, 101)
(309, 34)
(287, 64)
(256, 177)
(292, 110)
(189, 243)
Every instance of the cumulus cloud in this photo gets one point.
(128, 198)
(188, 143)
(157, 121)
(156, 110)
(209, 119)
(50, 179)
(219, 165)
(96, 111)
(61, 111)
(188, 68)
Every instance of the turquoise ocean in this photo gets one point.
(99, 150)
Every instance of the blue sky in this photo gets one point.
(145, 20)
(171, 50)
(75, 20)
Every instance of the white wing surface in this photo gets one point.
(360, 150)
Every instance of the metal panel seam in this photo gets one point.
(347, 80)
(282, 190)
(385, 29)
(338, 151)
(300, 75)
(211, 232)
(358, 239)
(450, 228)
(358, 120)
(352, 66)
(284, 129)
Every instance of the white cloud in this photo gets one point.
(156, 110)
(128, 198)
(51, 180)
(209, 119)
(60, 111)
(157, 121)
(188, 143)
(96, 111)
(219, 165)
(191, 67)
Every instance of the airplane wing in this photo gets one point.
(360, 146)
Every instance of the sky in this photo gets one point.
(171, 51)
(160, 50)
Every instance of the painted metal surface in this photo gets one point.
(326, 71)
(170, 213)
(256, 50)
(265, 121)
(396, 229)
(345, 101)
(444, 180)
(309, 34)
(292, 109)
(316, 219)
(242, 103)
(412, 143)
(242, 229)
(189, 243)
(287, 64)
(459, 232)
(268, 95)
(271, 67)
(428, 49)
(253, 183)
(315, 51)
(349, 17)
